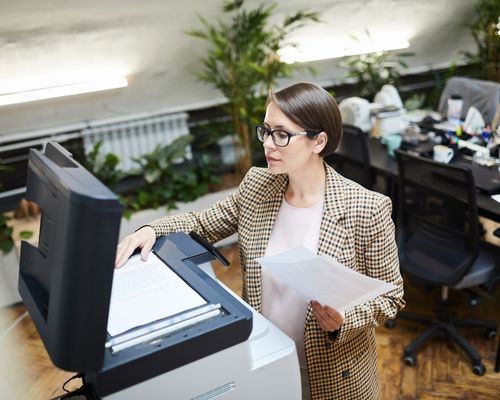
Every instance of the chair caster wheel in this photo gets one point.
(390, 323)
(410, 360)
(474, 301)
(490, 334)
(479, 369)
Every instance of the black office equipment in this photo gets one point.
(66, 283)
(352, 157)
(439, 245)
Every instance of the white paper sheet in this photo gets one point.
(146, 291)
(324, 279)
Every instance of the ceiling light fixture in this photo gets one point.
(307, 53)
(63, 90)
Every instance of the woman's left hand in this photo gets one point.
(328, 318)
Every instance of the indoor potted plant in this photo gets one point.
(243, 63)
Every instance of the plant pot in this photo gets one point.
(9, 271)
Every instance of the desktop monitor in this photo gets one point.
(65, 281)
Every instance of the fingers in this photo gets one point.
(328, 318)
(146, 249)
(144, 239)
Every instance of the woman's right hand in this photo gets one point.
(144, 239)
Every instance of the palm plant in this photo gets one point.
(486, 33)
(371, 71)
(243, 63)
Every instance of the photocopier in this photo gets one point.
(222, 349)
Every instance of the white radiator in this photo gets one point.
(134, 138)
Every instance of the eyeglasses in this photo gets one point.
(280, 137)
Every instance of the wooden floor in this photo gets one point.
(442, 371)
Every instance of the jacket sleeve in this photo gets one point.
(214, 223)
(381, 262)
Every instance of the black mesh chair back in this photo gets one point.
(438, 231)
(352, 157)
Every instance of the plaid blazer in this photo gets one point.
(356, 229)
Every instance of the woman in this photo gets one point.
(299, 199)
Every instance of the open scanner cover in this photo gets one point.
(66, 282)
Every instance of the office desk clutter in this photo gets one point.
(384, 116)
(392, 142)
(442, 154)
(471, 138)
(481, 94)
(455, 104)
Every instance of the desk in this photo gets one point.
(387, 167)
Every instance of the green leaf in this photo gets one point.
(25, 235)
(6, 246)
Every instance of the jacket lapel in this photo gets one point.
(332, 232)
(263, 218)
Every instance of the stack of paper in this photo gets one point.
(324, 279)
(147, 291)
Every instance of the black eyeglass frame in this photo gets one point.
(261, 135)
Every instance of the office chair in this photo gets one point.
(352, 158)
(439, 246)
(484, 95)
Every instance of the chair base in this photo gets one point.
(497, 363)
(444, 325)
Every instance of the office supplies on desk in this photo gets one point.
(392, 142)
(476, 148)
(454, 112)
(442, 154)
(388, 96)
(389, 122)
(423, 149)
(356, 111)
(473, 121)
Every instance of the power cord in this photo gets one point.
(83, 392)
(76, 376)
(14, 324)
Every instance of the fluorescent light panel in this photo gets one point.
(63, 90)
(309, 53)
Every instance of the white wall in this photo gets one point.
(43, 39)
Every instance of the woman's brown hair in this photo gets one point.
(313, 108)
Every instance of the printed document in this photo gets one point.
(322, 278)
(146, 291)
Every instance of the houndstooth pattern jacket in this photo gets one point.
(356, 229)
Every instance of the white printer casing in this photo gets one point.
(263, 367)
